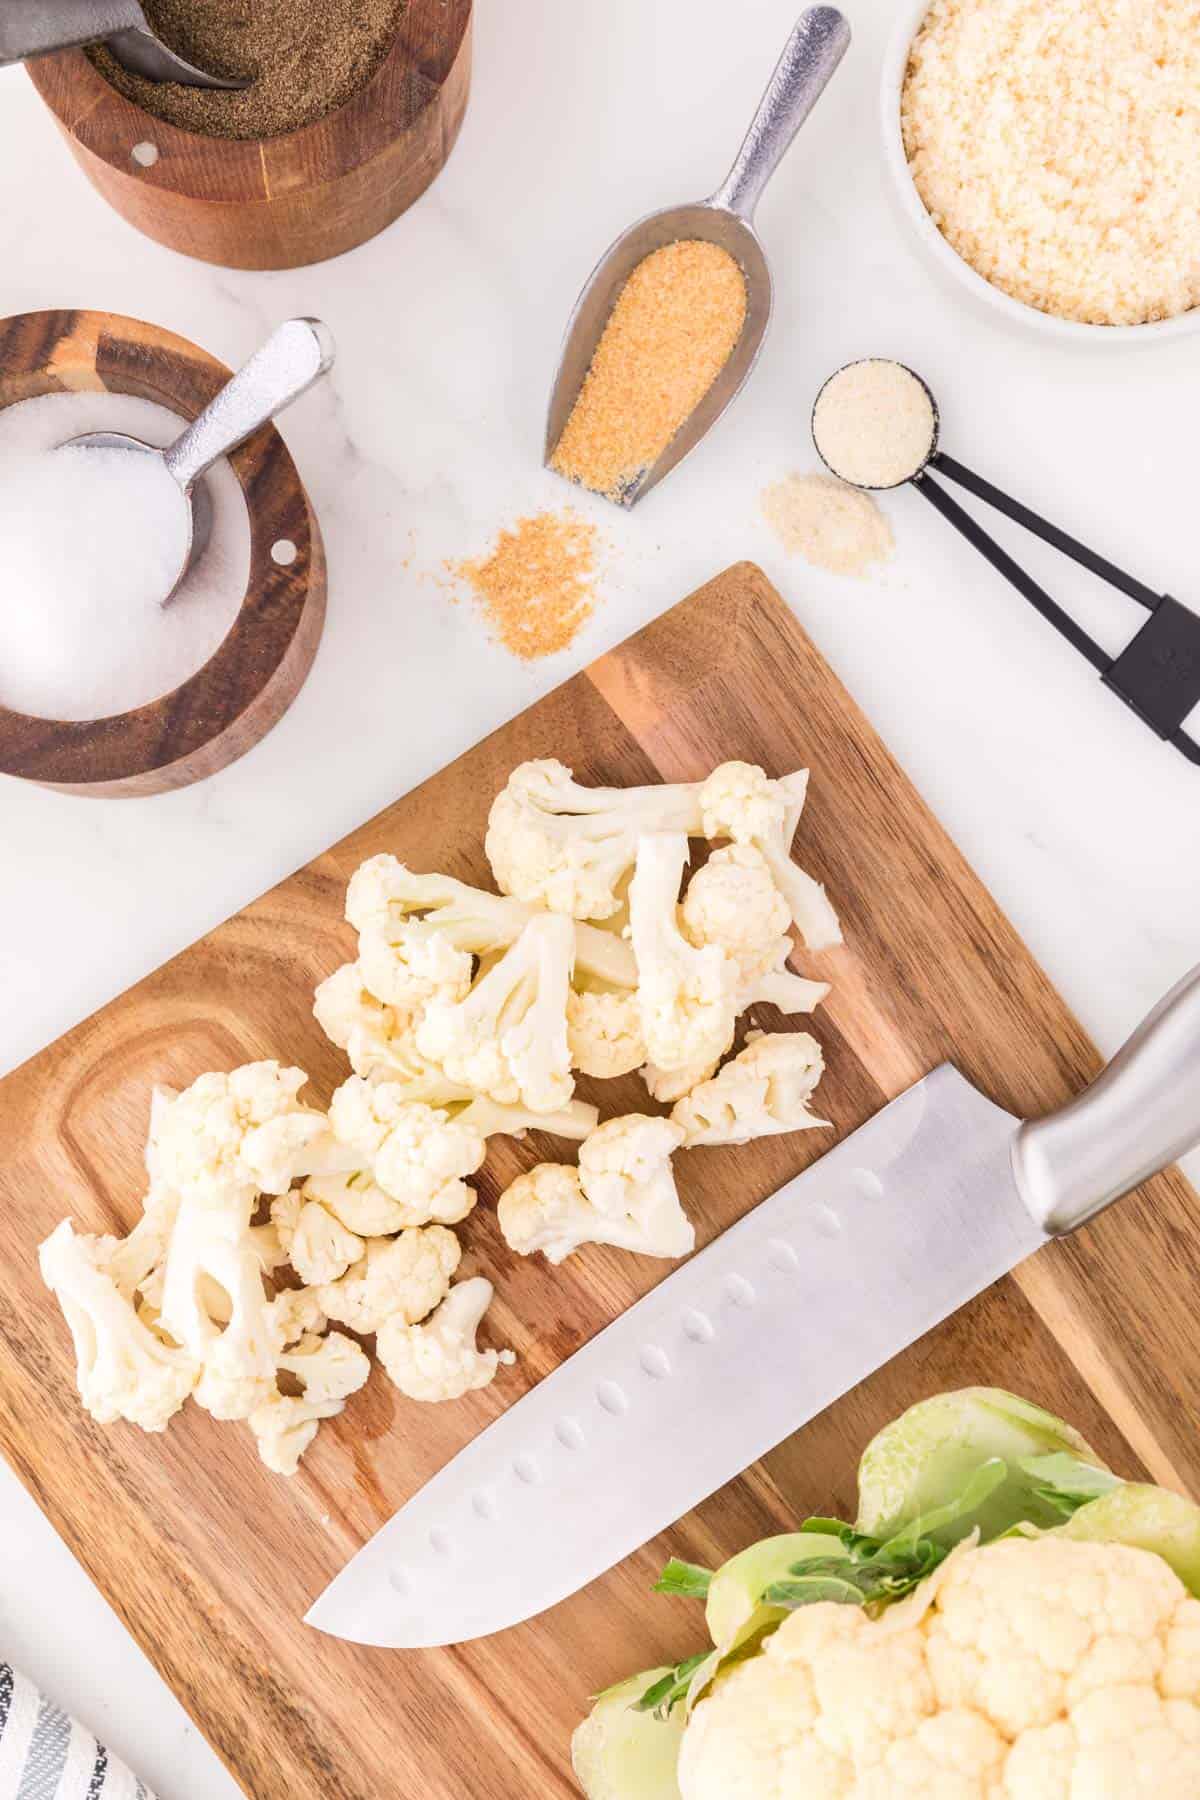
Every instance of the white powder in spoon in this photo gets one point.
(874, 423)
(832, 526)
(90, 542)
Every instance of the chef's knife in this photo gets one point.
(894, 1229)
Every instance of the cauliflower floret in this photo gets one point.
(327, 1369)
(200, 1137)
(687, 998)
(315, 1242)
(403, 1277)
(361, 1205)
(739, 802)
(733, 901)
(439, 1360)
(418, 1154)
(762, 1092)
(508, 1038)
(1036, 1673)
(214, 1303)
(604, 1031)
(554, 843)
(625, 1170)
(123, 1369)
(667, 1085)
(623, 1193)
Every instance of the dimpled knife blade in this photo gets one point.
(877, 1242)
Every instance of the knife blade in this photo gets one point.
(890, 1232)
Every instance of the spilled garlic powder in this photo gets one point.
(668, 337)
(536, 588)
(1056, 145)
(874, 423)
(834, 527)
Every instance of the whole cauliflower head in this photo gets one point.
(554, 843)
(403, 1277)
(762, 1092)
(440, 1360)
(604, 1031)
(417, 1154)
(687, 997)
(733, 901)
(1042, 1669)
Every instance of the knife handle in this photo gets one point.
(1139, 1115)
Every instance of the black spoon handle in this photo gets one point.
(1042, 528)
(1012, 571)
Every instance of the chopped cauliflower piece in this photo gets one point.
(376, 1038)
(328, 1369)
(416, 1153)
(739, 802)
(508, 1038)
(604, 1031)
(687, 997)
(667, 1085)
(439, 1360)
(403, 1277)
(315, 1241)
(123, 1369)
(762, 1092)
(214, 1303)
(363, 1208)
(201, 1135)
(625, 1171)
(555, 843)
(733, 901)
(623, 1194)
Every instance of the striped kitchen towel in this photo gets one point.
(44, 1755)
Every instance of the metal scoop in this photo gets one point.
(1157, 674)
(812, 53)
(295, 355)
(35, 27)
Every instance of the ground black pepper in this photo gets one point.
(304, 58)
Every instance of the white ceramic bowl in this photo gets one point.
(1048, 325)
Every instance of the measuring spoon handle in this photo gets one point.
(35, 27)
(295, 355)
(817, 45)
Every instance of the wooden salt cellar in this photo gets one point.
(282, 202)
(256, 671)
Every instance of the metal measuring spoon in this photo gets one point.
(812, 53)
(295, 355)
(35, 27)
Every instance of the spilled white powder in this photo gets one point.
(874, 423)
(90, 541)
(832, 526)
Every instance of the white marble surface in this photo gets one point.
(427, 439)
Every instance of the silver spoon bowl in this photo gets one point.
(818, 42)
(36, 27)
(295, 355)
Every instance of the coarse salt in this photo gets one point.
(91, 540)
(1056, 145)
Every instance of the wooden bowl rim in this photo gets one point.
(242, 163)
(63, 759)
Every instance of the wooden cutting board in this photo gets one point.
(211, 1561)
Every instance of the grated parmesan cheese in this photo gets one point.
(1056, 145)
